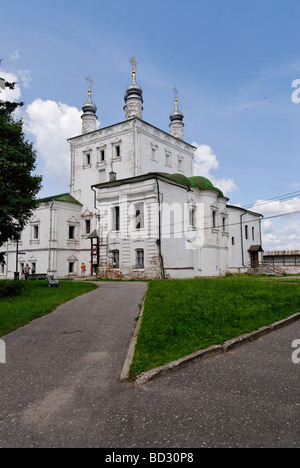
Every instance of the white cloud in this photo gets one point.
(268, 227)
(205, 162)
(10, 94)
(282, 230)
(25, 77)
(51, 123)
(277, 207)
(282, 238)
(15, 55)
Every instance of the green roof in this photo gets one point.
(64, 197)
(198, 182)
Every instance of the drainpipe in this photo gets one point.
(95, 206)
(242, 239)
(161, 260)
(260, 234)
(50, 236)
(98, 221)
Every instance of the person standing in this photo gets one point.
(27, 271)
(83, 269)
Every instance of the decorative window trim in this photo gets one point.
(154, 151)
(140, 259)
(35, 230)
(180, 160)
(168, 157)
(139, 217)
(102, 155)
(115, 259)
(87, 158)
(117, 150)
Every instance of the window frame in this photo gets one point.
(116, 259)
(140, 259)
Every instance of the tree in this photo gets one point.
(18, 185)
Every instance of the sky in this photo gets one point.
(236, 64)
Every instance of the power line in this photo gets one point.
(228, 225)
(271, 200)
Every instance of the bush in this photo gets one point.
(11, 288)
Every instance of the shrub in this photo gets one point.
(11, 288)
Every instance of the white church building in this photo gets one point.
(135, 209)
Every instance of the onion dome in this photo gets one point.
(176, 119)
(89, 107)
(89, 117)
(176, 115)
(133, 96)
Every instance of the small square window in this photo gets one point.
(87, 226)
(117, 151)
(71, 232)
(35, 231)
(88, 159)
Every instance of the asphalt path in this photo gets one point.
(61, 385)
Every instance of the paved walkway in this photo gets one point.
(60, 386)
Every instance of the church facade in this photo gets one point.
(135, 209)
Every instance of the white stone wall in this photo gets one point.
(35, 242)
(143, 149)
(239, 258)
(190, 247)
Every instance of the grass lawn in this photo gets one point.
(183, 316)
(37, 300)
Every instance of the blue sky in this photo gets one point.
(233, 62)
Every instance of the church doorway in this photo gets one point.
(254, 255)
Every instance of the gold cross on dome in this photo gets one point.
(89, 79)
(133, 63)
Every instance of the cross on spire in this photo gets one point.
(89, 79)
(133, 63)
(176, 93)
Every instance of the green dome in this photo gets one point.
(198, 182)
(203, 184)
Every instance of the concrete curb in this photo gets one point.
(145, 377)
(125, 371)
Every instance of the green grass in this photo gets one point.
(183, 316)
(37, 300)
